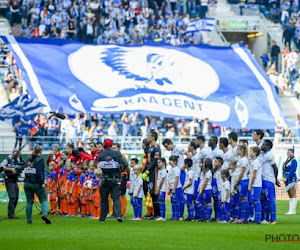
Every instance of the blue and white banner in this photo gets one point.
(224, 84)
(21, 109)
(206, 24)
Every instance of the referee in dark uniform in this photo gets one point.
(151, 170)
(112, 164)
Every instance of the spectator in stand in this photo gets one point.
(64, 128)
(181, 125)
(98, 133)
(275, 51)
(273, 75)
(133, 124)
(206, 128)
(145, 128)
(285, 8)
(112, 131)
(278, 133)
(86, 136)
(126, 124)
(287, 36)
(35, 14)
(291, 65)
(15, 13)
(204, 8)
(274, 13)
(285, 52)
(72, 134)
(242, 5)
(41, 121)
(52, 129)
(292, 23)
(152, 126)
(184, 134)
(194, 127)
(265, 59)
(78, 122)
(216, 130)
(20, 131)
(171, 133)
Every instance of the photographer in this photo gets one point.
(12, 167)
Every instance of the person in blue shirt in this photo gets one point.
(20, 132)
(289, 170)
(265, 59)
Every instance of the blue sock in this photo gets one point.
(263, 205)
(197, 209)
(140, 211)
(267, 211)
(226, 214)
(217, 208)
(236, 212)
(177, 210)
(208, 212)
(182, 205)
(273, 210)
(135, 211)
(251, 209)
(204, 209)
(257, 206)
(191, 211)
(173, 210)
(231, 211)
(222, 211)
(162, 206)
(245, 209)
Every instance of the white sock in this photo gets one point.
(290, 204)
(294, 204)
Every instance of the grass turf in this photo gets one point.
(84, 233)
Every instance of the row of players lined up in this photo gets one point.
(237, 184)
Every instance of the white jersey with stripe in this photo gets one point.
(267, 170)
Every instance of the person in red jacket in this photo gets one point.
(99, 146)
(70, 148)
(80, 156)
(94, 152)
(54, 155)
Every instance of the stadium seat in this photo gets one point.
(262, 8)
(267, 14)
(116, 117)
(162, 130)
(193, 13)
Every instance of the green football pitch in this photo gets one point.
(84, 233)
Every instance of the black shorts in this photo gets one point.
(123, 186)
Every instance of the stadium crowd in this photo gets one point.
(241, 186)
(108, 22)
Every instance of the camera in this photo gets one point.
(18, 166)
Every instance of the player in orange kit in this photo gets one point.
(62, 180)
(52, 188)
(80, 199)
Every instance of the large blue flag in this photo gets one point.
(224, 84)
(22, 109)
